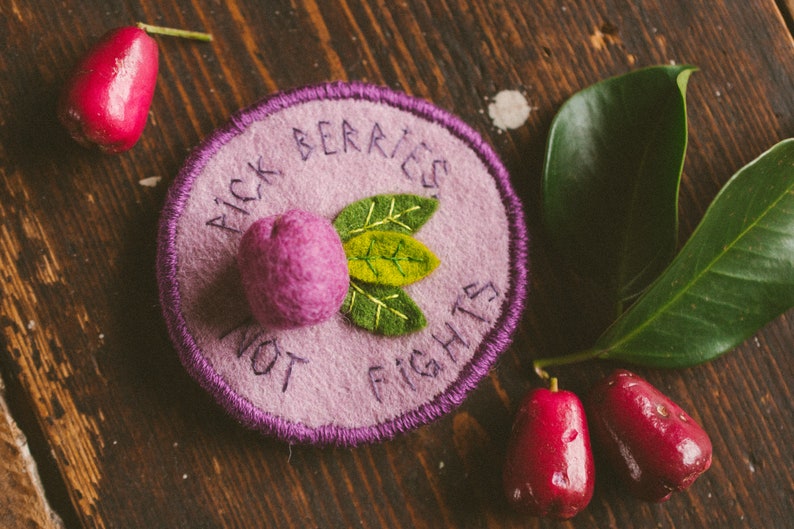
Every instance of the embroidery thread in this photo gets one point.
(388, 258)
(401, 213)
(382, 309)
(383, 256)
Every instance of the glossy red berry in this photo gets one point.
(653, 445)
(106, 101)
(549, 468)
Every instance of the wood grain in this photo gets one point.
(22, 499)
(128, 440)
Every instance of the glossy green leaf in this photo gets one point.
(400, 213)
(734, 275)
(382, 310)
(388, 258)
(611, 177)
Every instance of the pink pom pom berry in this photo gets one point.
(293, 269)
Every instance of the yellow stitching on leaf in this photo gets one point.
(391, 217)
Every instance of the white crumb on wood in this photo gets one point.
(509, 109)
(152, 181)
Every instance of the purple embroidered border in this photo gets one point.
(484, 358)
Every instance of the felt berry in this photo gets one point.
(654, 446)
(293, 269)
(549, 468)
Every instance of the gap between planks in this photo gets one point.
(22, 500)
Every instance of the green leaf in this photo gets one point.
(400, 213)
(734, 275)
(611, 177)
(383, 310)
(388, 258)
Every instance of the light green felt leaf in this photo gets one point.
(382, 310)
(400, 213)
(734, 275)
(388, 258)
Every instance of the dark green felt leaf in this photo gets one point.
(400, 213)
(734, 275)
(611, 177)
(382, 310)
(388, 258)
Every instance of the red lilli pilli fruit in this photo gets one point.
(293, 269)
(106, 101)
(654, 446)
(549, 468)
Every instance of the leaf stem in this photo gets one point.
(541, 364)
(174, 32)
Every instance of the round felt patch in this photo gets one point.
(436, 247)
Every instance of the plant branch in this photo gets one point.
(541, 364)
(174, 32)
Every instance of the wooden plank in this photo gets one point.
(788, 8)
(22, 499)
(139, 445)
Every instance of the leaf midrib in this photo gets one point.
(622, 271)
(727, 248)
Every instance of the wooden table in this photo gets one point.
(123, 438)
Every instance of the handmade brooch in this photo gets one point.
(341, 263)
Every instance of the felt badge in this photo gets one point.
(341, 263)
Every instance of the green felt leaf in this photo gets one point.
(611, 177)
(734, 275)
(400, 213)
(382, 310)
(388, 258)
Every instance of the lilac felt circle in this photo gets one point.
(320, 147)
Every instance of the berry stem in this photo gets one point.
(553, 385)
(174, 32)
(541, 364)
